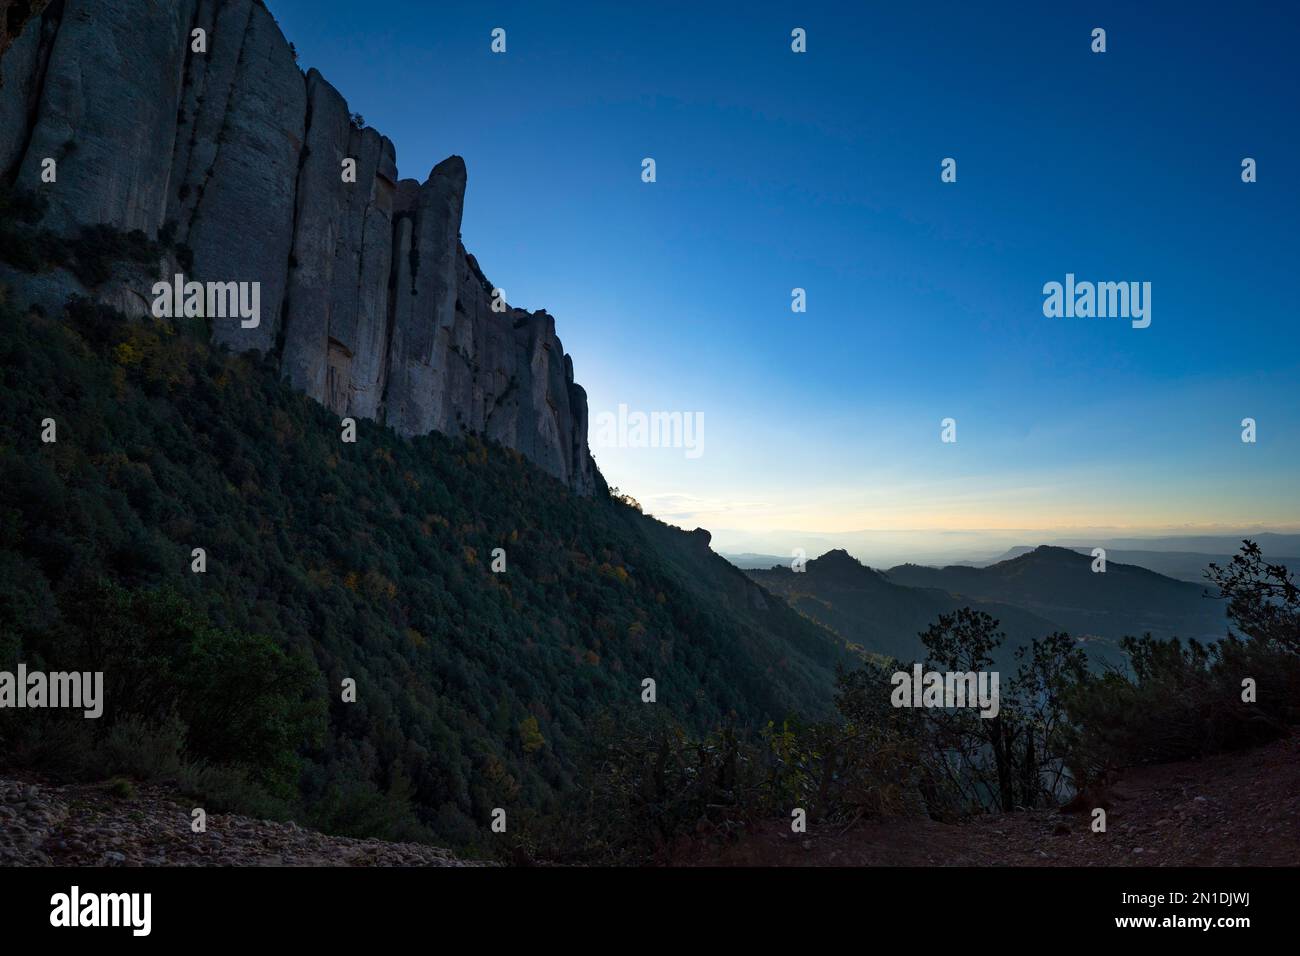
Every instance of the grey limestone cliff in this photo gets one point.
(369, 301)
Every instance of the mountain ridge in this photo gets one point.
(1060, 584)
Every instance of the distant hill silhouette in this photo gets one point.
(1059, 585)
(1181, 565)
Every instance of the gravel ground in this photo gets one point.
(80, 825)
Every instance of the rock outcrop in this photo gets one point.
(342, 260)
(217, 140)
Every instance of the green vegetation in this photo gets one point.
(327, 561)
(654, 789)
(1185, 699)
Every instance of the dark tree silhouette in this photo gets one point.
(1263, 599)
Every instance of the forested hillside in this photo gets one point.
(328, 560)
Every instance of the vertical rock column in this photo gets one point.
(322, 207)
(517, 385)
(337, 316)
(368, 335)
(235, 168)
(424, 299)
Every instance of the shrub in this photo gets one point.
(1263, 599)
(1181, 701)
(121, 788)
(233, 698)
(145, 750)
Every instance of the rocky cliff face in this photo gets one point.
(368, 299)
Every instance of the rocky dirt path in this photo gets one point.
(95, 825)
(1226, 810)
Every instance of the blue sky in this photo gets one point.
(821, 170)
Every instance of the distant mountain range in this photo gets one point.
(1183, 558)
(1271, 542)
(884, 617)
(1180, 556)
(1033, 594)
(1183, 565)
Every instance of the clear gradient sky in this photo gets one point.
(821, 170)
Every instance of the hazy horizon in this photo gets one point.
(881, 549)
